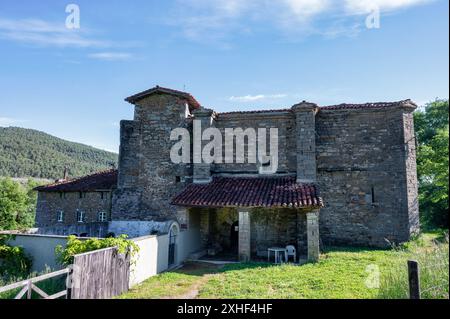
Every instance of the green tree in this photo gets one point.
(13, 203)
(17, 204)
(432, 130)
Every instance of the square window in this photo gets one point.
(101, 216)
(81, 217)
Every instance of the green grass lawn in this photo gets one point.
(340, 273)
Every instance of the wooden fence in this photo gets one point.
(28, 286)
(100, 274)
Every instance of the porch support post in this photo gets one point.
(244, 235)
(312, 228)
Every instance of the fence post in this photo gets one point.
(413, 278)
(69, 284)
(30, 289)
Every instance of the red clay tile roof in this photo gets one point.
(256, 111)
(250, 192)
(377, 105)
(158, 89)
(98, 181)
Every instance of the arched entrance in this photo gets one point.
(173, 234)
(234, 237)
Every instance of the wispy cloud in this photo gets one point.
(259, 97)
(43, 33)
(7, 121)
(219, 20)
(365, 6)
(111, 56)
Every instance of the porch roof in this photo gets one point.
(276, 192)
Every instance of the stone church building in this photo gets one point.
(361, 157)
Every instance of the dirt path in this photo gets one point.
(194, 290)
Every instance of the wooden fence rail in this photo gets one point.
(28, 286)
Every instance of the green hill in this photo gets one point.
(31, 153)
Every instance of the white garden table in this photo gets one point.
(276, 251)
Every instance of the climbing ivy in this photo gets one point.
(75, 246)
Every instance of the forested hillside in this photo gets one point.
(31, 153)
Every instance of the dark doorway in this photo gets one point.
(172, 245)
(234, 237)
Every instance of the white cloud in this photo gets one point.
(111, 56)
(216, 21)
(305, 9)
(259, 97)
(365, 6)
(7, 121)
(43, 33)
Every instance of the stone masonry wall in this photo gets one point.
(91, 203)
(148, 179)
(411, 174)
(284, 121)
(362, 173)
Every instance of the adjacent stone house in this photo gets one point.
(80, 206)
(360, 156)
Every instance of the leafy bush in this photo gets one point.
(14, 262)
(433, 271)
(76, 246)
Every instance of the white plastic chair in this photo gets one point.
(290, 251)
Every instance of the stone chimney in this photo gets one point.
(305, 122)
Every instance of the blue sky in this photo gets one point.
(231, 55)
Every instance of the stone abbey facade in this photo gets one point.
(360, 156)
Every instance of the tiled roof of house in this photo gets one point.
(158, 89)
(98, 181)
(256, 111)
(376, 105)
(250, 192)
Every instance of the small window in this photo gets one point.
(178, 179)
(101, 217)
(373, 194)
(60, 216)
(81, 217)
(102, 195)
